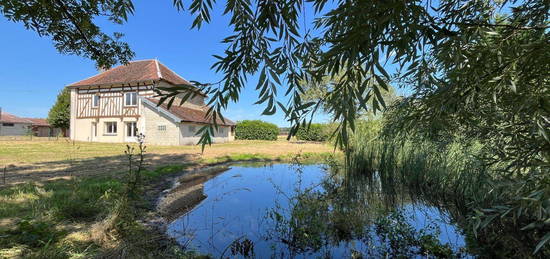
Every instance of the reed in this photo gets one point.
(453, 175)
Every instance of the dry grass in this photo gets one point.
(46, 159)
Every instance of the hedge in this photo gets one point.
(256, 129)
(315, 132)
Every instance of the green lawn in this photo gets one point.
(71, 201)
(43, 159)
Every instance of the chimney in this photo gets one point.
(101, 69)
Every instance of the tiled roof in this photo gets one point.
(38, 122)
(187, 114)
(134, 72)
(10, 118)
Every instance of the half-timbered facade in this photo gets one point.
(117, 104)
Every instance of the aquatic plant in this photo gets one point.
(453, 173)
(319, 220)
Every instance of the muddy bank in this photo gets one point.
(187, 192)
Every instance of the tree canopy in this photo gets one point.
(59, 115)
(438, 48)
(475, 68)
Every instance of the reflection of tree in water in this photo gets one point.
(348, 215)
(497, 240)
(352, 217)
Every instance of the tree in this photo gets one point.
(59, 115)
(360, 39)
(315, 91)
(502, 101)
(72, 26)
(474, 65)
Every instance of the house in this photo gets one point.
(11, 125)
(117, 104)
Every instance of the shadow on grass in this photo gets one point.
(42, 218)
(65, 169)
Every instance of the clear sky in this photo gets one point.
(32, 72)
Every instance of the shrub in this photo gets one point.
(256, 129)
(315, 132)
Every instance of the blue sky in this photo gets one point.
(32, 72)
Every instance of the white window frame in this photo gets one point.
(8, 124)
(107, 128)
(132, 128)
(94, 104)
(161, 128)
(128, 99)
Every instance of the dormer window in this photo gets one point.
(130, 99)
(95, 101)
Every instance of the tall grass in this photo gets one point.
(63, 219)
(448, 171)
(451, 175)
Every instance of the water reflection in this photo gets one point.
(289, 211)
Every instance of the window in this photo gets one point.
(95, 101)
(8, 124)
(110, 128)
(130, 99)
(131, 129)
(192, 129)
(161, 127)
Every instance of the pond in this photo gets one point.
(309, 211)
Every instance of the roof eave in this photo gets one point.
(206, 123)
(117, 84)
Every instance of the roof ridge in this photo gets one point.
(159, 73)
(134, 71)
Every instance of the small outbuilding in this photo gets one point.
(11, 125)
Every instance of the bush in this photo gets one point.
(256, 129)
(315, 132)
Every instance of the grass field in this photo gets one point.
(45, 159)
(68, 200)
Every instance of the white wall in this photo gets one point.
(160, 129)
(189, 137)
(72, 123)
(84, 132)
